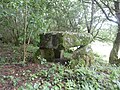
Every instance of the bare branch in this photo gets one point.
(86, 22)
(98, 28)
(96, 23)
(108, 8)
(105, 12)
(101, 38)
(92, 11)
(88, 28)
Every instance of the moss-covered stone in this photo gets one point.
(47, 54)
(64, 40)
(51, 40)
(76, 39)
(53, 44)
(84, 53)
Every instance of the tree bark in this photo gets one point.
(113, 58)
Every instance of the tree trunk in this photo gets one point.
(113, 59)
(25, 33)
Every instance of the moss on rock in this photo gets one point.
(61, 40)
(84, 53)
(53, 44)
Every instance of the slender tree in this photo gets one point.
(25, 31)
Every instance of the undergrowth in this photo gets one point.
(59, 77)
(99, 76)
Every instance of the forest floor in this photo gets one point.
(14, 75)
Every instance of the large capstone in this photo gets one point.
(64, 40)
(51, 40)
